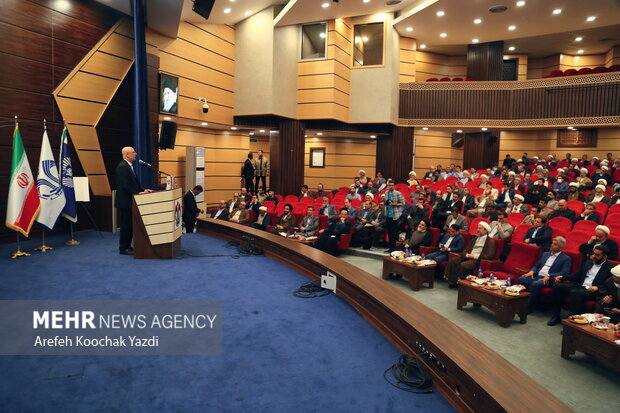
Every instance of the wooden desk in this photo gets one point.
(587, 339)
(504, 306)
(415, 274)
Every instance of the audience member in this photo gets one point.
(600, 237)
(451, 241)
(327, 208)
(221, 212)
(562, 211)
(233, 203)
(263, 219)
(588, 214)
(240, 215)
(253, 205)
(394, 202)
(362, 177)
(413, 215)
(411, 180)
(304, 192)
(616, 198)
(245, 195)
(608, 296)
(352, 211)
(585, 284)
(455, 218)
(271, 196)
(552, 202)
(379, 181)
(261, 194)
(517, 205)
(550, 265)
(500, 228)
(421, 237)
(543, 208)
(505, 197)
(560, 186)
(310, 223)
(286, 221)
(329, 237)
(481, 247)
(374, 228)
(353, 193)
(573, 192)
(530, 218)
(598, 195)
(540, 234)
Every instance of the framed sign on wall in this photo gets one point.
(578, 138)
(317, 158)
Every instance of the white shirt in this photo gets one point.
(494, 230)
(217, 214)
(544, 271)
(478, 246)
(591, 275)
(507, 197)
(448, 242)
(130, 165)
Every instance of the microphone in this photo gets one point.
(153, 168)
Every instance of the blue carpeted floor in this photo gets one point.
(280, 353)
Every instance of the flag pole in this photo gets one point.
(43, 247)
(72, 241)
(19, 252)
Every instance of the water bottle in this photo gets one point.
(423, 255)
(408, 252)
(508, 282)
(479, 272)
(492, 277)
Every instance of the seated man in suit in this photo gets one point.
(421, 237)
(245, 195)
(233, 203)
(286, 221)
(468, 199)
(310, 223)
(608, 296)
(550, 265)
(500, 228)
(304, 192)
(481, 247)
(190, 209)
(451, 241)
(253, 205)
(413, 215)
(374, 228)
(530, 218)
(327, 209)
(589, 214)
(222, 212)
(563, 211)
(540, 234)
(456, 218)
(271, 196)
(600, 237)
(616, 198)
(240, 215)
(320, 192)
(585, 284)
(352, 210)
(505, 197)
(263, 219)
(329, 237)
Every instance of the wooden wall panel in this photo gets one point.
(433, 147)
(430, 65)
(407, 59)
(395, 153)
(38, 44)
(485, 60)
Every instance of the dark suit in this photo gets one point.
(608, 288)
(592, 217)
(587, 248)
(457, 245)
(567, 213)
(127, 185)
(459, 267)
(190, 211)
(310, 223)
(265, 223)
(500, 203)
(328, 240)
(223, 215)
(542, 238)
(329, 210)
(578, 294)
(247, 172)
(470, 201)
(561, 266)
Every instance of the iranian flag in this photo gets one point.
(23, 204)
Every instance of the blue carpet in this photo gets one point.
(280, 353)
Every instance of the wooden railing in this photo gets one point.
(470, 375)
(587, 100)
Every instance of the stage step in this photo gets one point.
(377, 254)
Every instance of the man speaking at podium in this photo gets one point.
(127, 185)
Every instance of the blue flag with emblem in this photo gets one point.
(49, 188)
(66, 178)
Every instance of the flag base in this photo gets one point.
(19, 253)
(72, 242)
(44, 248)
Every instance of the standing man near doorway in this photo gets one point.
(261, 169)
(247, 174)
(127, 185)
(190, 209)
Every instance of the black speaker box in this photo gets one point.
(203, 7)
(167, 135)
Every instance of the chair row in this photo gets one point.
(583, 71)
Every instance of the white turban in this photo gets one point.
(511, 173)
(595, 157)
(519, 160)
(584, 170)
(573, 184)
(560, 169)
(575, 159)
(604, 162)
(616, 271)
(483, 176)
(603, 228)
(520, 197)
(604, 167)
(536, 157)
(484, 225)
(550, 156)
(601, 187)
(263, 208)
(602, 182)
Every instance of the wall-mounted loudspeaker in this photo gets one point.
(203, 7)
(168, 135)
(492, 139)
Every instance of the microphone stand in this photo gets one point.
(148, 165)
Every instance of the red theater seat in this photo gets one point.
(436, 234)
(444, 79)
(576, 206)
(562, 224)
(470, 79)
(599, 69)
(574, 239)
(519, 233)
(515, 218)
(570, 72)
(521, 258)
(432, 79)
(614, 68)
(457, 79)
(585, 71)
(556, 73)
(585, 226)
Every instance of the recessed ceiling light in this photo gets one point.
(322, 35)
(484, 129)
(373, 136)
(443, 35)
(422, 46)
(227, 10)
(512, 27)
(364, 39)
(251, 133)
(578, 38)
(409, 29)
(475, 40)
(325, 5)
(204, 123)
(591, 19)
(319, 134)
(247, 13)
(233, 128)
(477, 21)
(580, 51)
(459, 131)
(557, 11)
(441, 13)
(571, 127)
(511, 48)
(520, 3)
(167, 118)
(262, 131)
(424, 128)
(366, 1)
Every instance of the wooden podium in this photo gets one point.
(157, 224)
